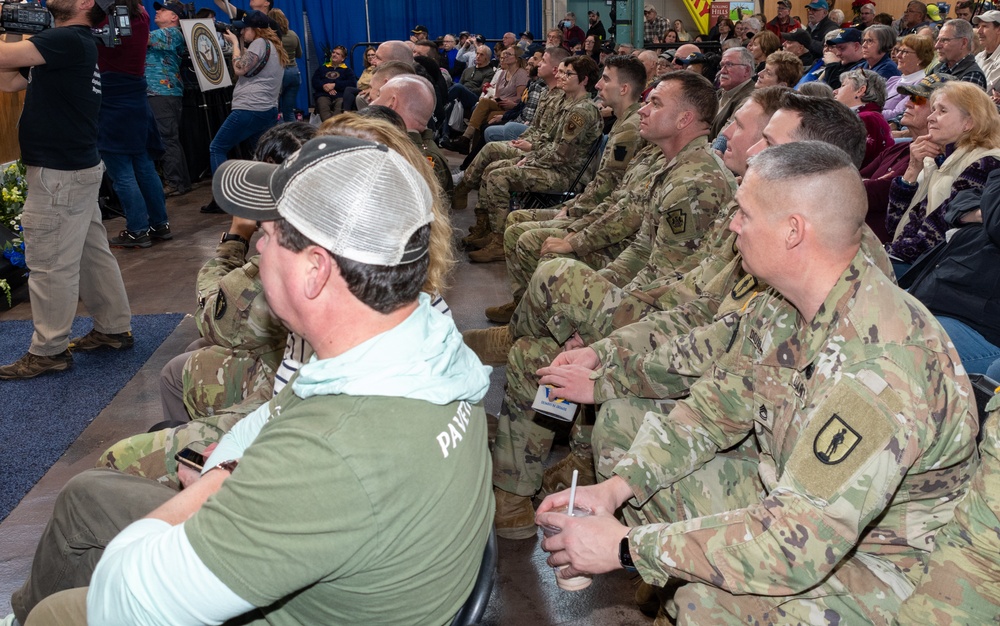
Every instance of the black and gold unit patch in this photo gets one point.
(746, 284)
(835, 441)
(620, 153)
(220, 305)
(677, 221)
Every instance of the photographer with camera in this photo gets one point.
(259, 62)
(66, 246)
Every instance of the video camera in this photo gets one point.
(31, 17)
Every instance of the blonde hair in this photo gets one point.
(280, 19)
(974, 103)
(271, 36)
(442, 256)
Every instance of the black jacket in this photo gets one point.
(960, 278)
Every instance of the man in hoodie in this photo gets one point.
(307, 474)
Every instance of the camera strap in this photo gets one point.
(263, 61)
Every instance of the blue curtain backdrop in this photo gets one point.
(342, 22)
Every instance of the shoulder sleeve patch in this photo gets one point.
(843, 433)
(620, 153)
(220, 305)
(677, 220)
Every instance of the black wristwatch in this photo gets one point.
(625, 556)
(227, 236)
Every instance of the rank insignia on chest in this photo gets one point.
(677, 221)
(835, 441)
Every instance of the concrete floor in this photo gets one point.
(161, 279)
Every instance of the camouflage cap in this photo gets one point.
(925, 86)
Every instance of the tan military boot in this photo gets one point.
(478, 230)
(491, 345)
(515, 517)
(491, 252)
(501, 314)
(559, 477)
(460, 197)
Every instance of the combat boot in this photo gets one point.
(491, 345)
(559, 477)
(460, 196)
(489, 253)
(515, 517)
(501, 314)
(478, 230)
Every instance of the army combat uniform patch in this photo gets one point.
(835, 441)
(677, 221)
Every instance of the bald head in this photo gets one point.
(393, 51)
(412, 97)
(648, 60)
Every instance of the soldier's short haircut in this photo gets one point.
(799, 159)
(631, 71)
(585, 68)
(769, 98)
(557, 54)
(823, 119)
(391, 69)
(698, 92)
(396, 51)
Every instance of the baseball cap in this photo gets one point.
(526, 35)
(798, 36)
(593, 12)
(988, 16)
(784, 3)
(172, 5)
(419, 29)
(358, 199)
(933, 13)
(925, 86)
(608, 47)
(847, 35)
(648, 7)
(256, 19)
(692, 59)
(818, 4)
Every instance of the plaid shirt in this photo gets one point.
(656, 28)
(966, 70)
(531, 97)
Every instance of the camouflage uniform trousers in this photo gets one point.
(493, 155)
(729, 482)
(582, 301)
(151, 455)
(499, 182)
(961, 585)
(522, 246)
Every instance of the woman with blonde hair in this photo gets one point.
(761, 46)
(442, 257)
(960, 149)
(292, 80)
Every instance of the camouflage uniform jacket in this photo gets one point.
(691, 191)
(961, 584)
(542, 127)
(575, 131)
(623, 143)
(865, 433)
(424, 141)
(248, 340)
(620, 215)
(663, 354)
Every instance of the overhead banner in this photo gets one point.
(699, 10)
(206, 54)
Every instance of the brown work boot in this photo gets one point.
(491, 345)
(501, 314)
(478, 230)
(559, 477)
(460, 196)
(515, 517)
(31, 365)
(491, 252)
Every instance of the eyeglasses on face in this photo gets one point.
(918, 100)
(903, 52)
(728, 64)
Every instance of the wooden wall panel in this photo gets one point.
(10, 111)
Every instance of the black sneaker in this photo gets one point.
(212, 207)
(161, 232)
(128, 239)
(31, 365)
(96, 339)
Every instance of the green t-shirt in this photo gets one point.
(354, 510)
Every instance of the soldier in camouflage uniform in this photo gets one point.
(551, 167)
(224, 381)
(961, 585)
(679, 305)
(691, 190)
(861, 424)
(540, 131)
(620, 87)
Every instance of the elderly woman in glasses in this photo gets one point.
(864, 92)
(914, 55)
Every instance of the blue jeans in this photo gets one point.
(461, 93)
(976, 353)
(289, 93)
(239, 126)
(504, 132)
(134, 179)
